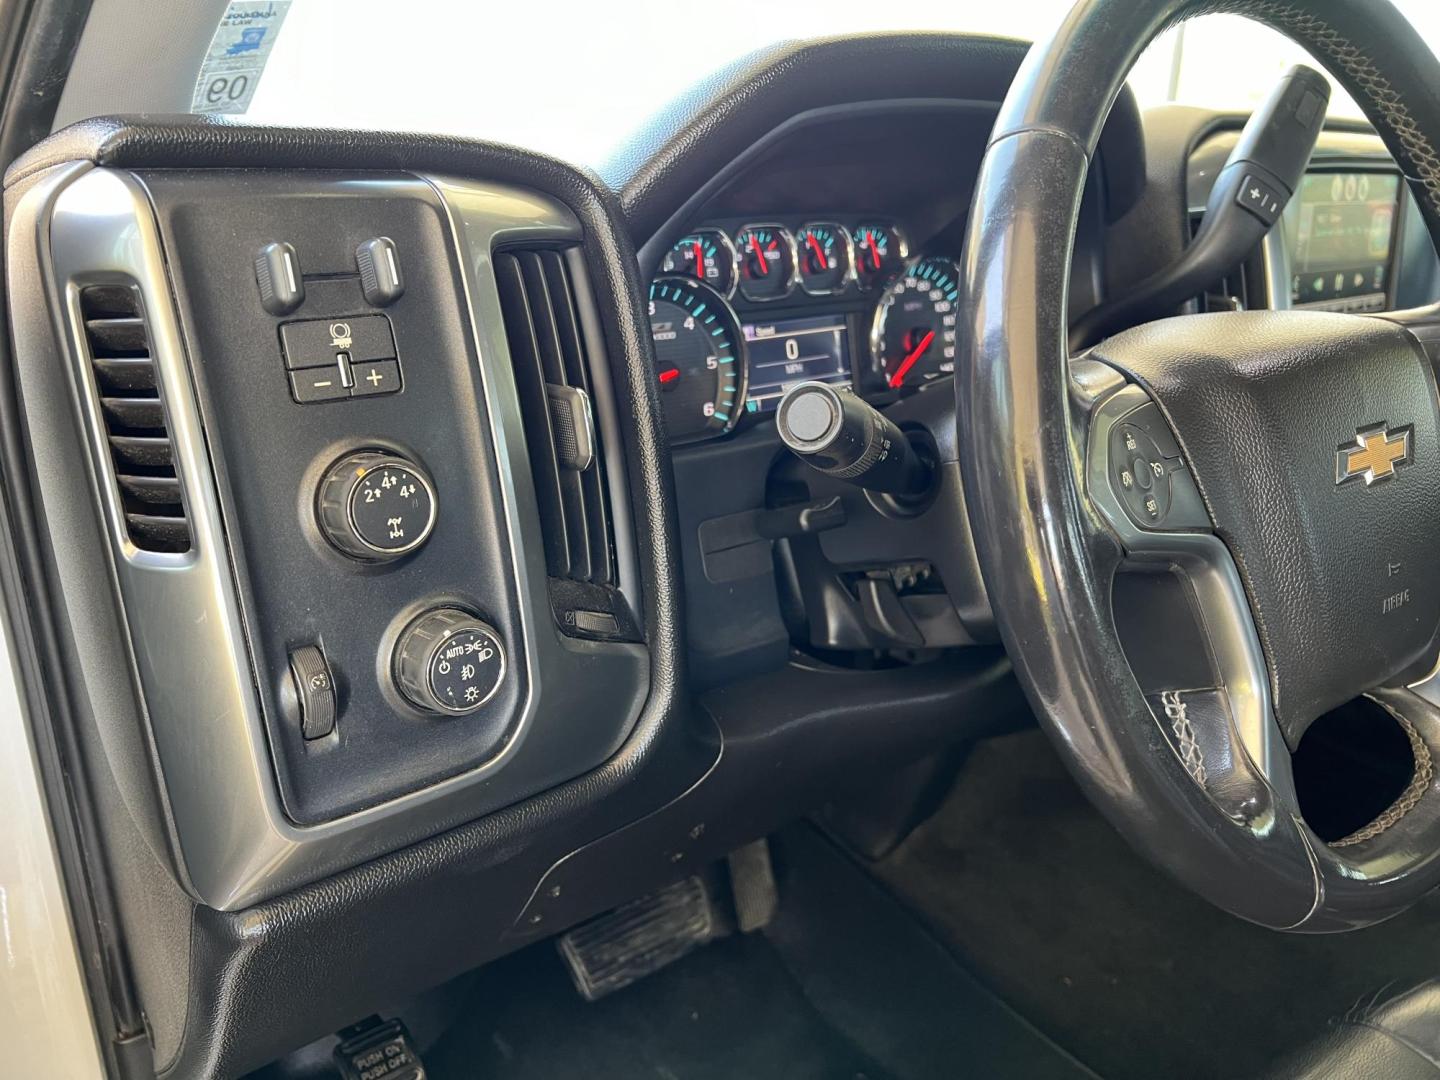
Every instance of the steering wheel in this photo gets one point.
(1298, 456)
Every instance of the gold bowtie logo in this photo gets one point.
(1374, 455)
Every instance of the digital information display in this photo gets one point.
(1340, 231)
(794, 351)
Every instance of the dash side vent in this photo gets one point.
(141, 449)
(551, 363)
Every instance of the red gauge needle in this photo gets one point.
(759, 255)
(699, 261)
(874, 249)
(819, 252)
(669, 375)
(910, 361)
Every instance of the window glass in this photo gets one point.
(574, 78)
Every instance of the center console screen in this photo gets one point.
(1340, 235)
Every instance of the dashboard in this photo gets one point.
(742, 311)
(405, 636)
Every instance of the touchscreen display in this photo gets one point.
(1340, 230)
(793, 351)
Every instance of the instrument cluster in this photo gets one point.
(741, 311)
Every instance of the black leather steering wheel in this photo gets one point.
(1301, 454)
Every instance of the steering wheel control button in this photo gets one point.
(375, 506)
(1148, 419)
(1142, 472)
(319, 342)
(380, 277)
(314, 690)
(449, 662)
(277, 273)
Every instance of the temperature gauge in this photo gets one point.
(767, 261)
(705, 255)
(824, 255)
(879, 251)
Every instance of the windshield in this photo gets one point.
(588, 74)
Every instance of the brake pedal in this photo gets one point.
(639, 938)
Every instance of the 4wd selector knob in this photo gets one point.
(448, 661)
(376, 506)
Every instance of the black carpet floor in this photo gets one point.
(846, 984)
(727, 1010)
(1134, 975)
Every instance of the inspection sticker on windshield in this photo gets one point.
(237, 55)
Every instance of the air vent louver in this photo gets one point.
(548, 349)
(134, 418)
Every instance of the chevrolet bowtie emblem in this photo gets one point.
(1374, 455)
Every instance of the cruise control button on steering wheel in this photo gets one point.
(1148, 480)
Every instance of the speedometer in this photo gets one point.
(699, 360)
(912, 338)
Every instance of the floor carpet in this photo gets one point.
(845, 984)
(1131, 973)
(727, 1010)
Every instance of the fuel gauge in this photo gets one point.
(705, 255)
(880, 251)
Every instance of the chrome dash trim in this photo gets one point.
(186, 634)
(1276, 262)
(233, 844)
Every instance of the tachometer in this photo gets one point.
(699, 358)
(823, 255)
(879, 252)
(913, 336)
(767, 261)
(706, 255)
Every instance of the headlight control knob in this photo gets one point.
(376, 506)
(448, 661)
